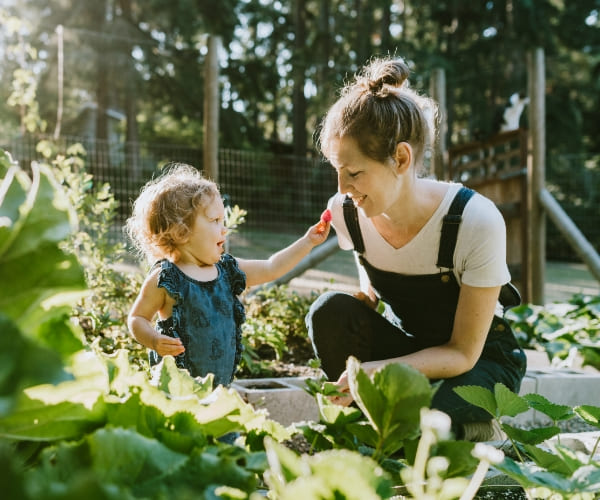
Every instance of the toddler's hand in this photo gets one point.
(165, 345)
(319, 232)
(325, 218)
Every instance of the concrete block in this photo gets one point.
(284, 398)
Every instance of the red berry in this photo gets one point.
(326, 215)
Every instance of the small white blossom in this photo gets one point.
(488, 453)
(437, 465)
(436, 421)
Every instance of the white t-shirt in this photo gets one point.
(479, 256)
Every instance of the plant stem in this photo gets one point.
(421, 460)
(594, 449)
(476, 480)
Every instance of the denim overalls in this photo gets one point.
(340, 325)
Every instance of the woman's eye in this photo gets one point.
(353, 174)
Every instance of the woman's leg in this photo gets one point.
(340, 325)
(502, 361)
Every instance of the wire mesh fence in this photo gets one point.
(281, 193)
(284, 193)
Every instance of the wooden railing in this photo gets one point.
(497, 168)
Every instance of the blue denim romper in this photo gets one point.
(207, 317)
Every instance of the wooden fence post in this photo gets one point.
(212, 103)
(438, 93)
(537, 174)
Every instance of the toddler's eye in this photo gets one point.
(353, 174)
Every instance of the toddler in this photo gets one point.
(193, 286)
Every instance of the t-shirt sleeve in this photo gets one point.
(481, 246)
(335, 204)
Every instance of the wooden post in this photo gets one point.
(537, 174)
(438, 93)
(212, 103)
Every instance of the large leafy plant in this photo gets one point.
(541, 468)
(75, 422)
(562, 330)
(40, 280)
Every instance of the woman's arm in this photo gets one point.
(474, 314)
(263, 271)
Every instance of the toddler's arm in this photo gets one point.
(151, 300)
(263, 271)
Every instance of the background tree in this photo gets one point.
(145, 59)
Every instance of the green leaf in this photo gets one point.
(533, 436)
(392, 402)
(529, 475)
(177, 383)
(24, 363)
(13, 193)
(122, 456)
(44, 219)
(336, 415)
(589, 413)
(462, 462)
(329, 474)
(480, 397)
(366, 396)
(509, 403)
(555, 411)
(52, 422)
(547, 460)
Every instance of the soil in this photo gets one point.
(295, 362)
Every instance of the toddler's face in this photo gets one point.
(208, 234)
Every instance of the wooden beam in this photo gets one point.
(438, 93)
(212, 104)
(537, 175)
(582, 247)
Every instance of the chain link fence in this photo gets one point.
(283, 194)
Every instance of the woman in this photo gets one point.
(440, 281)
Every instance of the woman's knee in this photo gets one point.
(329, 313)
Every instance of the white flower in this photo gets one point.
(437, 465)
(436, 421)
(487, 453)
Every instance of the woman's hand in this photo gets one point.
(167, 346)
(370, 300)
(346, 398)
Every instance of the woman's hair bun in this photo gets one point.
(380, 72)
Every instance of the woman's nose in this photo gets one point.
(343, 185)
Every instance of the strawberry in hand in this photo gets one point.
(325, 218)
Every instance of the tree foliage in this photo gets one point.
(285, 59)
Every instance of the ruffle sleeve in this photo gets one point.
(237, 280)
(169, 279)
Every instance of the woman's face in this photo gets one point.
(372, 185)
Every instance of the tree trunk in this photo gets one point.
(299, 63)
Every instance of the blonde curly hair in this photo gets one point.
(163, 214)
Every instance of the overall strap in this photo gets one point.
(450, 226)
(351, 219)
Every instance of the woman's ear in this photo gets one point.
(403, 157)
